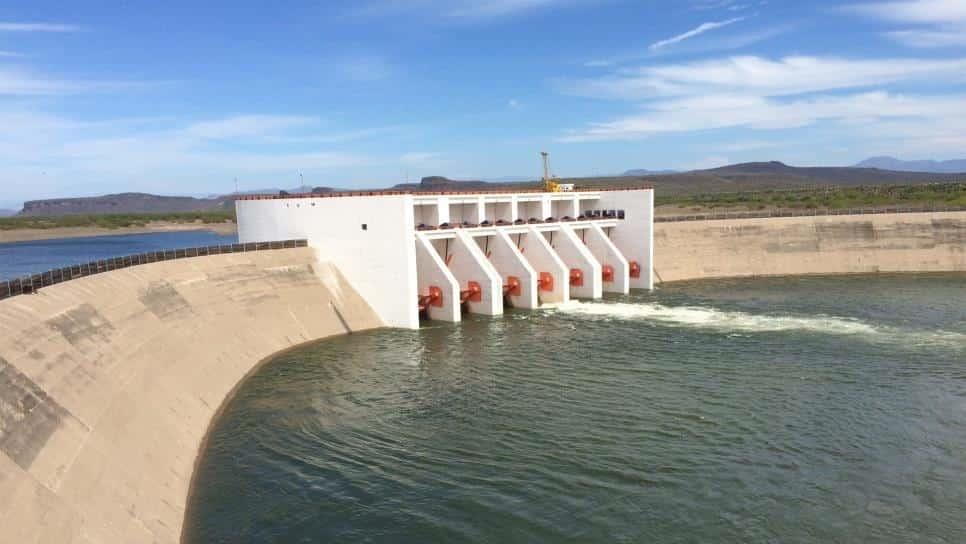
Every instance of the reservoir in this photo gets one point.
(820, 409)
(18, 259)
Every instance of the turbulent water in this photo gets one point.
(780, 410)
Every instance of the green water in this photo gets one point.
(779, 410)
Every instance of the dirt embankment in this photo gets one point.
(26, 235)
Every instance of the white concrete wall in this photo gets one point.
(432, 272)
(607, 253)
(543, 258)
(563, 207)
(531, 209)
(379, 262)
(575, 254)
(468, 263)
(426, 214)
(460, 212)
(508, 261)
(495, 211)
(634, 236)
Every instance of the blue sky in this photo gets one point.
(184, 97)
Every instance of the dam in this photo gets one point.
(408, 254)
(109, 382)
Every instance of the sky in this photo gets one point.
(193, 97)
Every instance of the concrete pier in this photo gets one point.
(617, 279)
(433, 274)
(553, 277)
(578, 258)
(510, 263)
(474, 272)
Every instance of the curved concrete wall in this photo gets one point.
(108, 384)
(908, 242)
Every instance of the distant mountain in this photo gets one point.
(441, 183)
(124, 203)
(892, 163)
(645, 172)
(779, 174)
(752, 176)
(7, 213)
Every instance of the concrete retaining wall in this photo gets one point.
(108, 384)
(907, 242)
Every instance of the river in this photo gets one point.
(811, 409)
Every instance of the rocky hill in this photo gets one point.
(124, 203)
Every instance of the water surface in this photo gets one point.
(18, 259)
(776, 410)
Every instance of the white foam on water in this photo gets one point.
(711, 318)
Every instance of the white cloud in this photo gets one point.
(47, 155)
(914, 11)
(724, 43)
(713, 112)
(19, 82)
(765, 77)
(513, 104)
(10, 54)
(37, 27)
(930, 38)
(697, 31)
(938, 23)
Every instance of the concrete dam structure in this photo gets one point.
(409, 254)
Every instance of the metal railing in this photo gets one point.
(713, 215)
(32, 283)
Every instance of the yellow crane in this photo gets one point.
(551, 183)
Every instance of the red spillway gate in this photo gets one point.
(512, 287)
(576, 277)
(607, 273)
(472, 293)
(434, 298)
(546, 281)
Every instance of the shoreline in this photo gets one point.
(33, 235)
